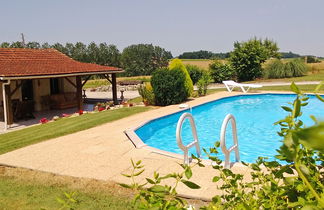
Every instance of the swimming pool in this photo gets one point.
(255, 115)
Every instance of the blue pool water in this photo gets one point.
(255, 116)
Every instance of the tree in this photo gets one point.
(247, 57)
(60, 48)
(220, 71)
(109, 55)
(143, 59)
(33, 45)
(16, 45)
(5, 45)
(176, 64)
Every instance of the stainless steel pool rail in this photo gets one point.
(235, 147)
(195, 142)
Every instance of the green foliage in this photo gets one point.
(289, 55)
(203, 54)
(144, 59)
(296, 67)
(276, 69)
(312, 59)
(220, 72)
(176, 64)
(247, 57)
(298, 184)
(203, 83)
(146, 91)
(69, 201)
(153, 195)
(169, 86)
(195, 72)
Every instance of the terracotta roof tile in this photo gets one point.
(37, 62)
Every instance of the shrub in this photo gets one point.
(247, 57)
(312, 59)
(177, 64)
(296, 67)
(169, 87)
(195, 72)
(146, 91)
(276, 69)
(203, 83)
(220, 72)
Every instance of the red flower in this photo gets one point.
(43, 120)
(81, 112)
(101, 109)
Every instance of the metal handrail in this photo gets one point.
(195, 142)
(223, 141)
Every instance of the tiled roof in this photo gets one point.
(16, 62)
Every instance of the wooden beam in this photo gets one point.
(79, 93)
(107, 78)
(86, 80)
(17, 87)
(114, 88)
(9, 106)
(74, 85)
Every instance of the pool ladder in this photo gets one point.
(195, 142)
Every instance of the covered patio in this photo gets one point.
(44, 80)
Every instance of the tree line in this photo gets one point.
(203, 54)
(138, 59)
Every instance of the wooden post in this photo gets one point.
(79, 93)
(114, 88)
(9, 105)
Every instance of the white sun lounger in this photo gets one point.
(230, 85)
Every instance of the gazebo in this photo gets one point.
(41, 77)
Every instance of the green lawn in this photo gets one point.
(31, 135)
(305, 88)
(94, 83)
(29, 194)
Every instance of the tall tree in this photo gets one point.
(5, 45)
(33, 45)
(143, 59)
(247, 57)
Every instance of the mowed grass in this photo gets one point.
(31, 135)
(304, 88)
(94, 83)
(30, 194)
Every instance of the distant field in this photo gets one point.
(202, 63)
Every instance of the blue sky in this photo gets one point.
(176, 25)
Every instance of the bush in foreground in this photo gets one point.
(176, 64)
(146, 91)
(169, 86)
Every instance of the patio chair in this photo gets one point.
(230, 85)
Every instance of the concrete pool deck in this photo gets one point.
(104, 153)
